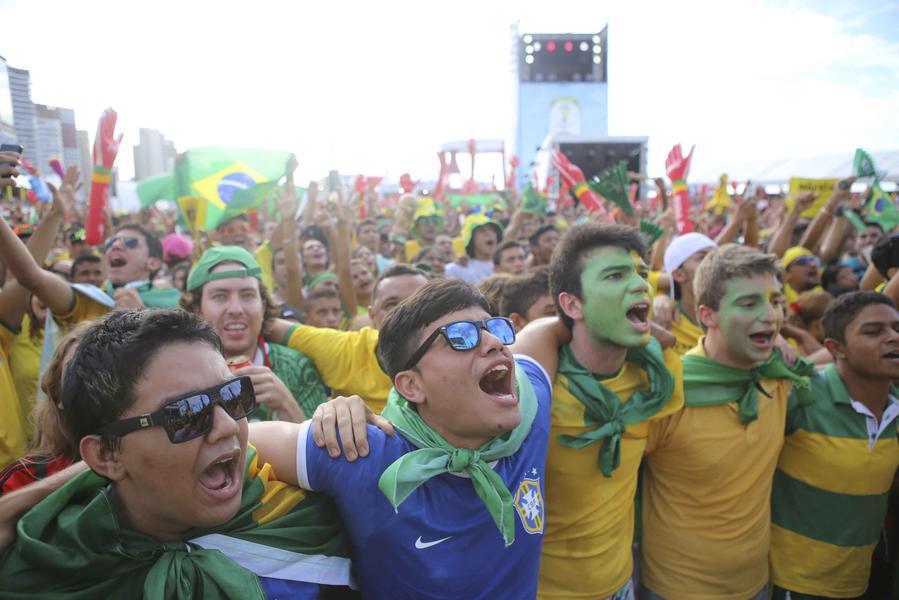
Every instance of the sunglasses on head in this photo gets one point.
(805, 261)
(191, 416)
(129, 240)
(466, 335)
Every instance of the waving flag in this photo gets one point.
(880, 207)
(211, 184)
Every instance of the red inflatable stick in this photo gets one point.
(573, 177)
(106, 148)
(678, 167)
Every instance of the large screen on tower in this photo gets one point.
(551, 57)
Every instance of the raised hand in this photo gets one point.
(573, 177)
(64, 197)
(677, 166)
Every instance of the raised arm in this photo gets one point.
(781, 241)
(343, 252)
(287, 205)
(541, 340)
(822, 220)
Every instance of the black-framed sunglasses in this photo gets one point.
(805, 261)
(466, 335)
(191, 415)
(130, 241)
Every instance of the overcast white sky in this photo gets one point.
(376, 87)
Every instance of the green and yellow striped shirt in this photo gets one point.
(830, 494)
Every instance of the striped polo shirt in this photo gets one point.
(830, 493)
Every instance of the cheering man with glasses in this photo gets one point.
(451, 506)
(176, 504)
(132, 256)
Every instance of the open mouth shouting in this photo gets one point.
(116, 260)
(892, 357)
(638, 316)
(763, 340)
(497, 382)
(221, 478)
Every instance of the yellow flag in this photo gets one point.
(822, 187)
(721, 200)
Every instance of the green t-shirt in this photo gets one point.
(299, 374)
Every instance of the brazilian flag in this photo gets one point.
(213, 184)
(880, 207)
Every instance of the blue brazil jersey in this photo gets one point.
(442, 542)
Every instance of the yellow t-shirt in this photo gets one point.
(590, 518)
(346, 361)
(686, 334)
(792, 295)
(264, 257)
(83, 309)
(25, 363)
(707, 499)
(12, 422)
(413, 248)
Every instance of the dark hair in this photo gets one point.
(830, 274)
(843, 310)
(492, 287)
(522, 291)
(535, 237)
(498, 255)
(469, 249)
(320, 293)
(885, 255)
(84, 258)
(395, 271)
(365, 222)
(573, 249)
(99, 381)
(154, 246)
(404, 326)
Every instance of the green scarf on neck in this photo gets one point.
(435, 456)
(72, 545)
(710, 383)
(604, 408)
(152, 297)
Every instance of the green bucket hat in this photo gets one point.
(202, 273)
(476, 221)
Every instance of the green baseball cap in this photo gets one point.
(202, 273)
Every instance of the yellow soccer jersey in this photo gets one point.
(25, 362)
(707, 499)
(12, 421)
(686, 334)
(590, 518)
(346, 361)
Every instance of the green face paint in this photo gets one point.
(616, 297)
(749, 318)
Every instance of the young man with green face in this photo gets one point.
(614, 381)
(839, 457)
(707, 486)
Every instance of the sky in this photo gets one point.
(377, 87)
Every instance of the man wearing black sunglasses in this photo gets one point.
(132, 256)
(176, 504)
(452, 504)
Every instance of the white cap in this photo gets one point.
(683, 247)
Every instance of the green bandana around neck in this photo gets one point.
(72, 544)
(152, 297)
(605, 409)
(710, 383)
(435, 456)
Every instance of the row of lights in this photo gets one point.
(551, 46)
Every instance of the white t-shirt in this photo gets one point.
(472, 273)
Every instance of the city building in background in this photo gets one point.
(49, 136)
(70, 155)
(85, 161)
(153, 155)
(7, 121)
(23, 111)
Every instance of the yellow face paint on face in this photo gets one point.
(616, 297)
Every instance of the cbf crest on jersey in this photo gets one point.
(529, 503)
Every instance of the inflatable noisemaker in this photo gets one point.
(678, 167)
(612, 184)
(573, 177)
(106, 148)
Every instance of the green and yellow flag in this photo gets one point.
(879, 208)
(212, 184)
